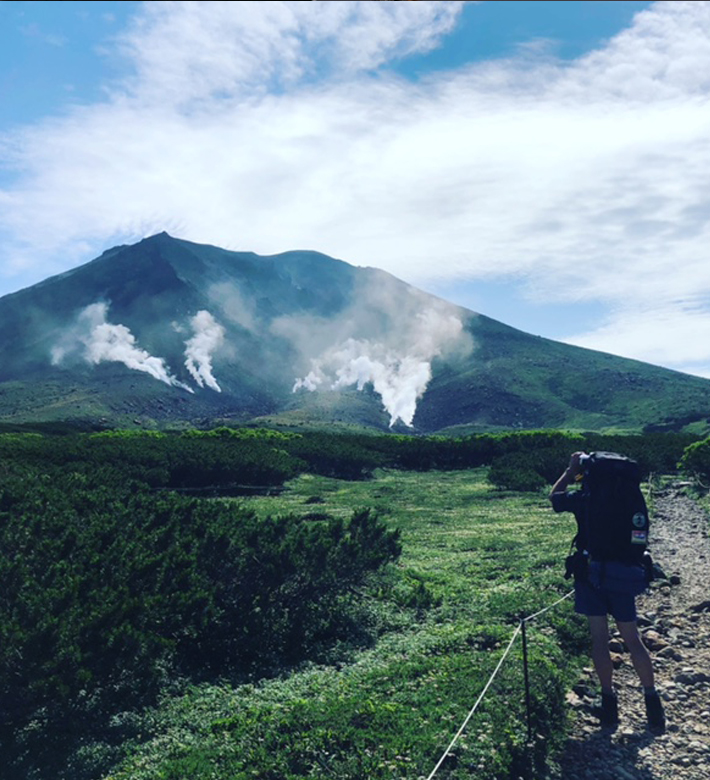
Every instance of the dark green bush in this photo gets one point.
(529, 461)
(110, 590)
(515, 471)
(339, 456)
(696, 460)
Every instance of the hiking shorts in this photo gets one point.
(599, 602)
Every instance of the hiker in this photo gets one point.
(608, 569)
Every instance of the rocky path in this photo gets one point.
(674, 618)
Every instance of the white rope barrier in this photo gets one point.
(547, 609)
(520, 627)
(475, 706)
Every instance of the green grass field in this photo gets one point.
(387, 700)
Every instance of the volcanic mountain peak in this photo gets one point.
(264, 330)
(168, 332)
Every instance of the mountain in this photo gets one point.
(172, 333)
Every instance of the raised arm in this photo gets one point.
(568, 476)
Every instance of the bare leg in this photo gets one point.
(639, 654)
(599, 629)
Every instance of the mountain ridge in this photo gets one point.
(167, 332)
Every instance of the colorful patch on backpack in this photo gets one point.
(639, 520)
(638, 537)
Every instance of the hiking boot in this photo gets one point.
(609, 713)
(654, 712)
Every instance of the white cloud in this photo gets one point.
(185, 53)
(675, 333)
(262, 126)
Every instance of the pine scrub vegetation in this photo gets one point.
(110, 588)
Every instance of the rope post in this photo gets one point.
(523, 624)
(519, 629)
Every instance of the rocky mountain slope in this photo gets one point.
(167, 332)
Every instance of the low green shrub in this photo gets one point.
(110, 591)
(695, 461)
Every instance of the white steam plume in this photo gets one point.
(399, 375)
(104, 341)
(209, 336)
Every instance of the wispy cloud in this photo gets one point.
(274, 126)
(34, 31)
(187, 53)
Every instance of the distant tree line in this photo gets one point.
(226, 457)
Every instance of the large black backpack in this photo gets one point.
(615, 519)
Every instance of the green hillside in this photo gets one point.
(516, 380)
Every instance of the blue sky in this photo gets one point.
(50, 55)
(543, 163)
